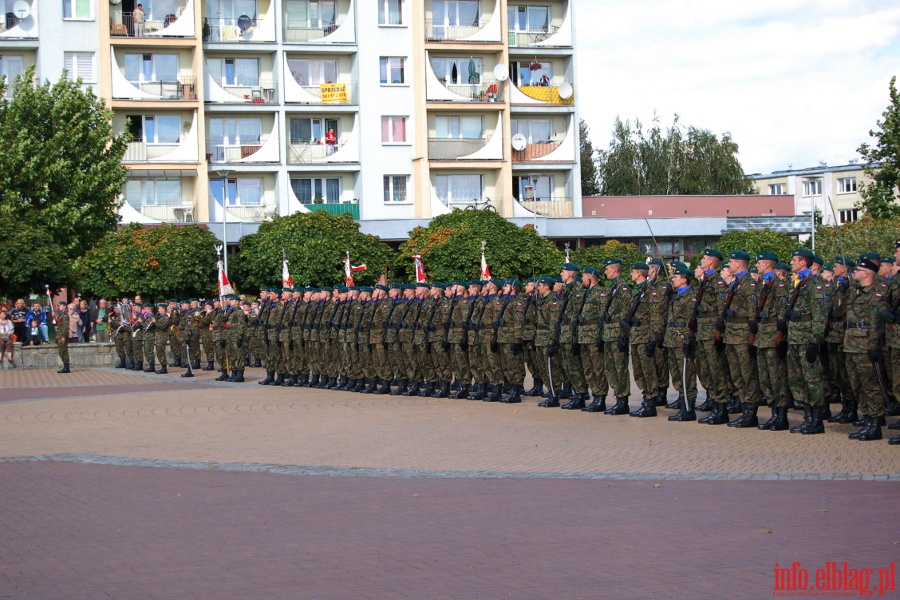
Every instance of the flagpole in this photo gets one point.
(219, 273)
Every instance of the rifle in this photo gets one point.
(628, 322)
(387, 323)
(448, 324)
(780, 342)
(604, 318)
(467, 324)
(430, 327)
(497, 325)
(761, 309)
(557, 329)
(401, 324)
(720, 322)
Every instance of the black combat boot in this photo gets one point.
(894, 425)
(867, 423)
(807, 419)
(138, 366)
(661, 396)
(479, 392)
(428, 390)
(619, 408)
(718, 415)
(749, 417)
(707, 405)
(598, 404)
(781, 423)
(577, 402)
(209, 367)
(815, 425)
(65, 368)
(768, 424)
(844, 415)
(872, 432)
(462, 392)
(734, 405)
(384, 388)
(257, 363)
(894, 441)
(401, 387)
(496, 394)
(677, 403)
(892, 408)
(835, 397)
(566, 393)
(441, 390)
(187, 373)
(151, 368)
(412, 389)
(270, 378)
(454, 385)
(371, 387)
(343, 382)
(551, 402)
(223, 376)
(331, 383)
(514, 397)
(537, 389)
(825, 412)
(684, 415)
(646, 409)
(121, 364)
(162, 371)
(238, 377)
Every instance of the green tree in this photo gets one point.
(755, 241)
(883, 163)
(595, 255)
(29, 258)
(589, 184)
(157, 262)
(451, 248)
(857, 237)
(316, 244)
(60, 172)
(677, 160)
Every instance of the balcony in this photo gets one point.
(340, 92)
(183, 88)
(442, 32)
(534, 151)
(135, 212)
(237, 30)
(179, 25)
(219, 153)
(338, 28)
(262, 93)
(254, 212)
(528, 39)
(554, 207)
(336, 209)
(539, 94)
(312, 152)
(444, 149)
(553, 30)
(140, 151)
(15, 28)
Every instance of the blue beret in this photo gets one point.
(767, 256)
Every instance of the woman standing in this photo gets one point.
(84, 313)
(74, 324)
(6, 343)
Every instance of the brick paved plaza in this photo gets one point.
(123, 485)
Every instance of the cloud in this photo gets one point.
(794, 81)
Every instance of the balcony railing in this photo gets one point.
(444, 149)
(219, 153)
(523, 39)
(479, 203)
(169, 213)
(140, 151)
(301, 154)
(316, 90)
(256, 212)
(533, 151)
(486, 91)
(336, 209)
(554, 207)
(263, 93)
(440, 32)
(228, 30)
(128, 28)
(184, 88)
(295, 34)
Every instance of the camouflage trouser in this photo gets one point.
(772, 371)
(513, 365)
(837, 365)
(440, 359)
(678, 374)
(662, 367)
(149, 344)
(286, 356)
(573, 368)
(380, 362)
(161, 350)
(208, 350)
(551, 369)
(426, 362)
(397, 360)
(219, 346)
(615, 364)
(532, 359)
(864, 382)
(412, 370)
(62, 346)
(459, 358)
(256, 347)
(273, 356)
(893, 358)
(176, 347)
(743, 372)
(644, 368)
(366, 359)
(193, 342)
(804, 379)
(493, 368)
(238, 353)
(477, 362)
(594, 371)
(137, 347)
(711, 369)
(121, 341)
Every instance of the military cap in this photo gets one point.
(818, 260)
(193, 300)
(546, 281)
(557, 279)
(867, 263)
(804, 252)
(887, 259)
(245, 303)
(873, 256)
(422, 284)
(209, 303)
(656, 261)
(171, 300)
(782, 266)
(475, 282)
(682, 270)
(531, 280)
(352, 288)
(612, 261)
(498, 282)
(299, 288)
(185, 301)
(828, 267)
(514, 282)
(739, 255)
(767, 256)
(440, 285)
(382, 287)
(570, 266)
(713, 253)
(753, 270)
(591, 270)
(843, 260)
(677, 264)
(341, 289)
(163, 305)
(60, 302)
(640, 266)
(138, 305)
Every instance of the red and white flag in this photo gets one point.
(50, 307)
(286, 280)
(224, 284)
(485, 270)
(420, 268)
(349, 270)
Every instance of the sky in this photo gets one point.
(796, 82)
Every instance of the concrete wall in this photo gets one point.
(46, 356)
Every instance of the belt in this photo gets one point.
(590, 322)
(677, 324)
(859, 325)
(802, 319)
(707, 315)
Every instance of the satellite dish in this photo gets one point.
(501, 72)
(565, 90)
(244, 23)
(519, 142)
(21, 9)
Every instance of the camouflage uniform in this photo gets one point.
(741, 364)
(574, 298)
(137, 341)
(492, 370)
(548, 311)
(62, 336)
(590, 339)
(219, 335)
(149, 327)
(679, 343)
(458, 339)
(237, 340)
(174, 335)
(206, 335)
(509, 337)
(772, 368)
(806, 327)
(864, 330)
(616, 358)
(644, 333)
(661, 297)
(163, 323)
(837, 319)
(272, 328)
(710, 363)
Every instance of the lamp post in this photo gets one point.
(224, 175)
(534, 181)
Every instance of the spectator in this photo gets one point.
(37, 313)
(138, 17)
(74, 323)
(33, 332)
(330, 141)
(84, 333)
(545, 81)
(100, 319)
(6, 333)
(17, 316)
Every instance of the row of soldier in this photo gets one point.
(800, 335)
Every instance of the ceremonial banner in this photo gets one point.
(224, 285)
(349, 270)
(420, 269)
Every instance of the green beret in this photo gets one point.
(887, 259)
(193, 300)
(767, 256)
(818, 260)
(245, 303)
(382, 287)
(682, 270)
(804, 252)
(546, 281)
(828, 267)
(677, 264)
(713, 253)
(287, 289)
(640, 266)
(514, 283)
(440, 285)
(871, 256)
(531, 280)
(783, 266)
(163, 305)
(475, 282)
(843, 260)
(498, 282)
(591, 270)
(557, 279)
(570, 267)
(171, 300)
(739, 255)
(209, 303)
(423, 285)
(612, 261)
(753, 270)
(656, 261)
(342, 289)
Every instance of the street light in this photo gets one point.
(534, 181)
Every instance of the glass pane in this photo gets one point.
(328, 13)
(385, 129)
(82, 9)
(216, 131)
(442, 127)
(250, 191)
(247, 71)
(382, 70)
(538, 18)
(168, 129)
(399, 129)
(302, 189)
(149, 130)
(396, 70)
(468, 13)
(317, 133)
(168, 192)
(249, 131)
(149, 194)
(214, 66)
(215, 188)
(232, 192)
(333, 190)
(400, 189)
(317, 188)
(329, 71)
(297, 14)
(300, 71)
(133, 67)
(471, 127)
(523, 18)
(166, 67)
(133, 193)
(245, 7)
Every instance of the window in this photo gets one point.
(393, 130)
(153, 192)
(390, 12)
(458, 71)
(391, 70)
(459, 189)
(313, 71)
(848, 214)
(395, 188)
(531, 72)
(311, 131)
(78, 9)
(847, 185)
(240, 72)
(246, 191)
(11, 67)
(524, 188)
(454, 18)
(140, 68)
(777, 189)
(311, 15)
(161, 10)
(468, 127)
(309, 189)
(235, 131)
(223, 9)
(528, 18)
(812, 187)
(534, 130)
(79, 65)
(155, 129)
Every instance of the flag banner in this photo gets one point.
(420, 269)
(349, 270)
(50, 307)
(485, 270)
(286, 280)
(224, 284)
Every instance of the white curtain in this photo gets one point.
(394, 12)
(459, 189)
(165, 67)
(249, 131)
(168, 193)
(333, 190)
(250, 191)
(247, 71)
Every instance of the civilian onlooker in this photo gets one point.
(33, 333)
(6, 343)
(138, 17)
(84, 332)
(38, 314)
(74, 323)
(100, 319)
(17, 316)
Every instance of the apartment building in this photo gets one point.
(391, 110)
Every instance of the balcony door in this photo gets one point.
(234, 72)
(458, 71)
(320, 14)
(317, 190)
(155, 129)
(455, 18)
(146, 68)
(312, 130)
(313, 71)
(229, 11)
(461, 127)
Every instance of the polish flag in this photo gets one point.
(349, 270)
(420, 268)
(286, 280)
(485, 270)
(224, 284)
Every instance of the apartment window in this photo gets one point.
(238, 72)
(312, 130)
(459, 189)
(395, 188)
(140, 68)
(11, 67)
(311, 15)
(155, 129)
(317, 190)
(313, 71)
(223, 9)
(458, 71)
(528, 18)
(390, 12)
(235, 131)
(812, 187)
(393, 130)
(80, 65)
(462, 127)
(848, 214)
(78, 9)
(531, 72)
(847, 185)
(525, 189)
(245, 191)
(153, 192)
(777, 189)
(391, 70)
(534, 130)
(454, 18)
